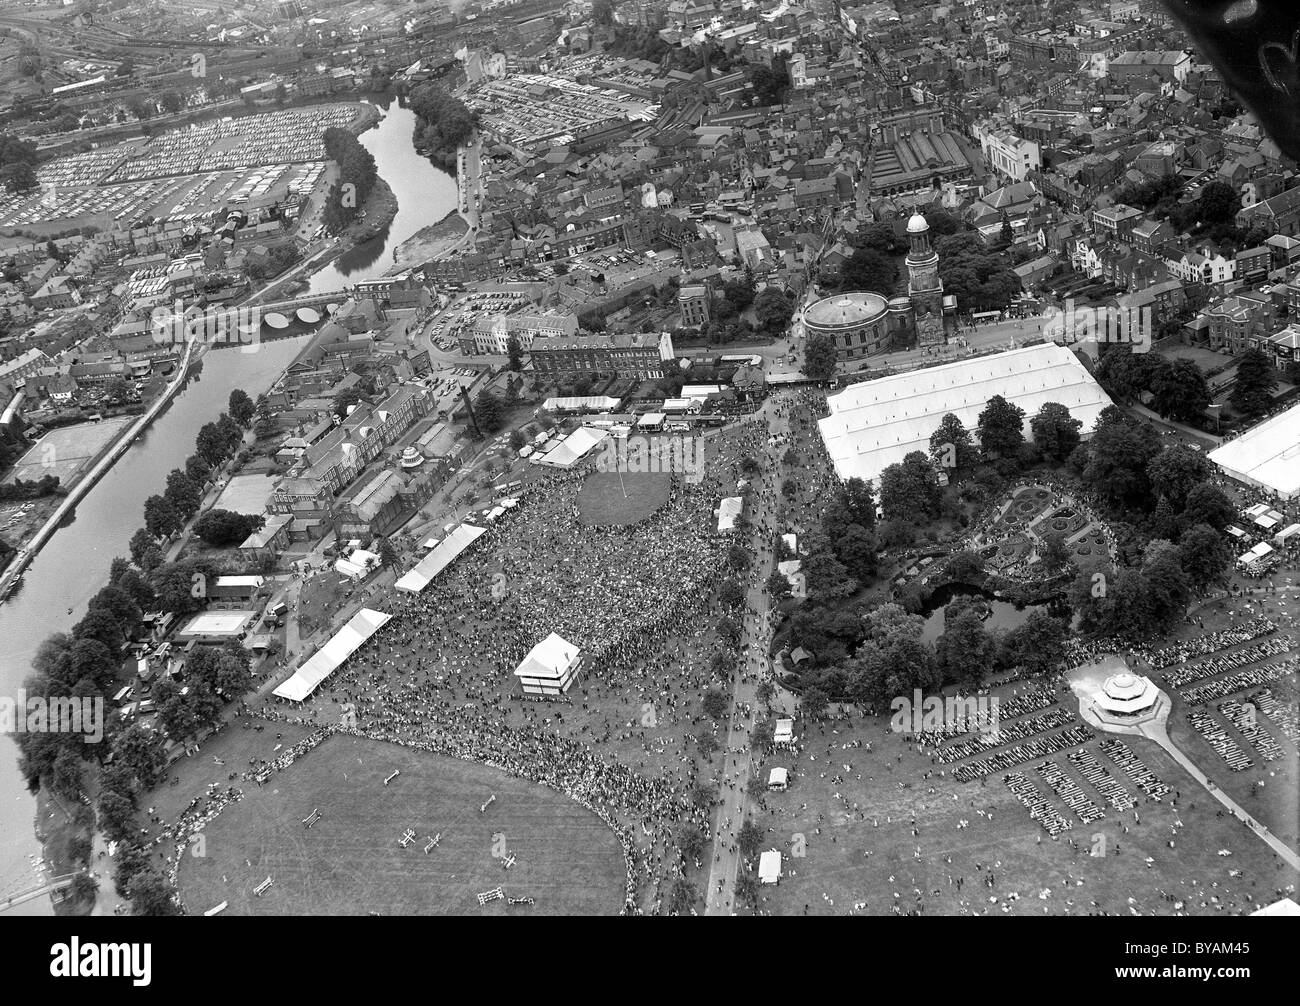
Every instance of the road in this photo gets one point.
(1158, 733)
(738, 761)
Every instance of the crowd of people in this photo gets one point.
(640, 602)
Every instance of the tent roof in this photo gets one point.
(728, 510)
(325, 661)
(548, 659)
(877, 423)
(1268, 455)
(442, 556)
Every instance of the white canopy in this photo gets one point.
(1286, 906)
(442, 556)
(1267, 456)
(574, 447)
(877, 423)
(778, 777)
(769, 867)
(325, 661)
(728, 511)
(549, 659)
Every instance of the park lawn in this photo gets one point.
(321, 597)
(608, 498)
(350, 863)
(874, 814)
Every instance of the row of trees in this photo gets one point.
(444, 123)
(357, 176)
(890, 658)
(86, 663)
(167, 512)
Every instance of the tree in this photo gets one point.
(151, 895)
(1176, 471)
(1204, 556)
(868, 269)
(965, 566)
(1001, 428)
(225, 670)
(1180, 391)
(951, 447)
(1054, 554)
(1037, 644)
(143, 753)
(773, 309)
(488, 412)
(172, 101)
(814, 703)
(103, 626)
(241, 407)
(690, 841)
(1118, 456)
(161, 517)
(750, 838)
(1055, 431)
(141, 542)
(714, 704)
(1121, 372)
(224, 528)
(116, 815)
(910, 489)
(1206, 504)
(1168, 587)
(856, 548)
(197, 471)
(1255, 381)
(387, 554)
(118, 391)
(344, 401)
(183, 493)
(819, 357)
(729, 593)
(211, 445)
(965, 651)
(516, 354)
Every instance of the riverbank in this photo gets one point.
(431, 242)
(119, 446)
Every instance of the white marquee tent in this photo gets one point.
(325, 661)
(1267, 456)
(573, 448)
(442, 556)
(728, 511)
(550, 666)
(877, 423)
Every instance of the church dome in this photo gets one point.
(917, 224)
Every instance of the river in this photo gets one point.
(425, 195)
(74, 564)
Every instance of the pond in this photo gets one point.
(1003, 614)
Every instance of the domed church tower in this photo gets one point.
(924, 288)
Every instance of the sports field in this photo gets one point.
(612, 498)
(66, 451)
(350, 863)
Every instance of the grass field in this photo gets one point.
(852, 813)
(65, 451)
(349, 863)
(608, 498)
